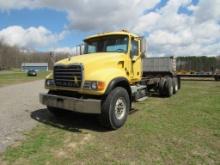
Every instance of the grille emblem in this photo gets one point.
(75, 80)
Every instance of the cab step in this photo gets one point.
(142, 99)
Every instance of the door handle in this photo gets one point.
(121, 63)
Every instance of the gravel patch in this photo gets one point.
(16, 104)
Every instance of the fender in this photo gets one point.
(119, 81)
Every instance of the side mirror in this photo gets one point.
(81, 49)
(143, 47)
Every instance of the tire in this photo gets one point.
(179, 82)
(115, 109)
(161, 87)
(217, 78)
(56, 111)
(168, 87)
(175, 85)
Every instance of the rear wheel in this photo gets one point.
(175, 85)
(217, 78)
(115, 108)
(161, 86)
(179, 82)
(168, 87)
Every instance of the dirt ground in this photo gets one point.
(16, 104)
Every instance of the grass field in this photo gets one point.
(14, 77)
(184, 129)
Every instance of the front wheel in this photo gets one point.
(115, 108)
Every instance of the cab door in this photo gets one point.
(136, 61)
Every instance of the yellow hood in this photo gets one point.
(95, 62)
(92, 58)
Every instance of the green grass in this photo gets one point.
(14, 77)
(184, 129)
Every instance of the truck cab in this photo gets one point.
(104, 80)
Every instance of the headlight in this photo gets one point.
(94, 85)
(50, 82)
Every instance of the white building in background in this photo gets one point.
(34, 66)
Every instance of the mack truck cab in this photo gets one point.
(105, 79)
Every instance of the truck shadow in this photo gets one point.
(70, 121)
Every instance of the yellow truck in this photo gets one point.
(112, 73)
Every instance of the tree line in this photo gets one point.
(198, 64)
(13, 57)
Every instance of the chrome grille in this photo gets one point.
(68, 76)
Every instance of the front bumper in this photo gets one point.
(91, 106)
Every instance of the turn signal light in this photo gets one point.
(100, 85)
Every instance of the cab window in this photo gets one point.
(111, 43)
(134, 48)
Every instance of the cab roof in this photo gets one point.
(123, 32)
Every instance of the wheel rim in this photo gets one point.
(120, 108)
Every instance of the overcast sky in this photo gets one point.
(172, 27)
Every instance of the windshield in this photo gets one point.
(112, 43)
